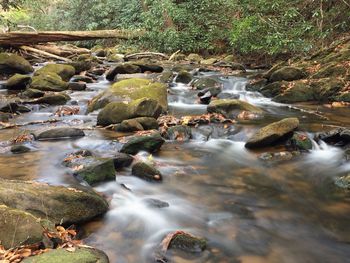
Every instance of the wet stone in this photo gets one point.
(60, 133)
(18, 149)
(122, 160)
(155, 203)
(146, 171)
(149, 143)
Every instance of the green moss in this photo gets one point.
(12, 63)
(64, 71)
(18, 81)
(149, 143)
(80, 255)
(332, 70)
(48, 82)
(96, 170)
(188, 243)
(297, 92)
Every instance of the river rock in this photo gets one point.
(14, 107)
(178, 133)
(155, 203)
(60, 133)
(77, 86)
(149, 143)
(230, 65)
(333, 69)
(60, 205)
(122, 68)
(122, 160)
(166, 77)
(131, 89)
(183, 77)
(33, 93)
(228, 106)
(195, 58)
(146, 66)
(18, 227)
(339, 136)
(52, 99)
(273, 133)
(80, 78)
(300, 141)
(48, 82)
(146, 171)
(66, 72)
(79, 255)
(91, 169)
(205, 98)
(343, 182)
(130, 125)
(208, 62)
(116, 112)
(204, 83)
(18, 149)
(187, 243)
(18, 82)
(12, 63)
(278, 156)
(287, 74)
(297, 91)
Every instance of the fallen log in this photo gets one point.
(44, 53)
(146, 55)
(62, 51)
(30, 38)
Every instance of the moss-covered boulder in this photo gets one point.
(326, 89)
(12, 63)
(166, 76)
(19, 228)
(228, 106)
(183, 77)
(32, 93)
(297, 91)
(149, 143)
(288, 74)
(60, 205)
(118, 58)
(52, 99)
(60, 133)
(18, 82)
(187, 243)
(194, 58)
(330, 70)
(91, 169)
(122, 68)
(116, 112)
(274, 89)
(131, 89)
(62, 70)
(301, 141)
(48, 82)
(273, 133)
(146, 171)
(79, 255)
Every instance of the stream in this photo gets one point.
(249, 210)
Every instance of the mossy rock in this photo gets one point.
(188, 243)
(229, 58)
(149, 143)
(48, 82)
(18, 82)
(227, 106)
(116, 112)
(80, 255)
(194, 58)
(301, 141)
(12, 63)
(204, 83)
(130, 125)
(166, 77)
(82, 65)
(146, 171)
(52, 99)
(33, 93)
(183, 77)
(296, 92)
(122, 68)
(94, 170)
(208, 62)
(287, 74)
(115, 58)
(332, 70)
(273, 133)
(148, 123)
(19, 228)
(274, 89)
(131, 89)
(326, 89)
(60, 133)
(64, 71)
(60, 205)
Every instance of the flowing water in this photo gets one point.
(249, 210)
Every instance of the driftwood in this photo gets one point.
(32, 38)
(44, 53)
(146, 55)
(62, 50)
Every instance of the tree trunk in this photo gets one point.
(30, 38)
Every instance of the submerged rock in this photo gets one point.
(129, 90)
(155, 203)
(66, 72)
(278, 156)
(60, 205)
(227, 106)
(18, 149)
(19, 228)
(146, 171)
(79, 255)
(149, 143)
(273, 133)
(60, 133)
(12, 63)
(18, 82)
(116, 112)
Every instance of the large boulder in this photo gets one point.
(60, 133)
(288, 74)
(273, 133)
(48, 82)
(18, 227)
(116, 112)
(60, 205)
(297, 91)
(64, 71)
(79, 255)
(11, 63)
(331, 70)
(122, 68)
(227, 106)
(18, 82)
(131, 89)
(149, 143)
